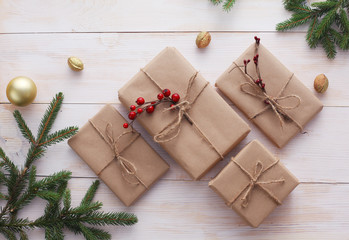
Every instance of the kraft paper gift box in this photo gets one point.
(289, 104)
(207, 127)
(254, 183)
(121, 158)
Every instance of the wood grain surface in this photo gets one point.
(115, 38)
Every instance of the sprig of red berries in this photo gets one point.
(259, 80)
(257, 39)
(149, 107)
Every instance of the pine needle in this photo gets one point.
(23, 186)
(324, 19)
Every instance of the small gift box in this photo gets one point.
(254, 183)
(121, 158)
(269, 94)
(201, 128)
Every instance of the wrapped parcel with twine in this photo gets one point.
(269, 94)
(121, 158)
(201, 128)
(254, 183)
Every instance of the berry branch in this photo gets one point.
(149, 107)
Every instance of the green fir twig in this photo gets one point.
(227, 4)
(328, 23)
(23, 186)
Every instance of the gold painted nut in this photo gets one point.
(203, 39)
(75, 64)
(321, 83)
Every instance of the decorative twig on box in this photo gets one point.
(149, 107)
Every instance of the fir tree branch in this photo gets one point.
(216, 2)
(59, 136)
(227, 5)
(90, 193)
(325, 24)
(325, 17)
(7, 163)
(23, 187)
(23, 127)
(49, 117)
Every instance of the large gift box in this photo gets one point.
(254, 183)
(202, 129)
(282, 108)
(121, 158)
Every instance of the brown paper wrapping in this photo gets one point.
(93, 149)
(274, 75)
(212, 115)
(231, 181)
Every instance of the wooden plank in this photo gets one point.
(138, 15)
(320, 155)
(190, 210)
(112, 59)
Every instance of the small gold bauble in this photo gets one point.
(321, 83)
(203, 39)
(75, 64)
(21, 91)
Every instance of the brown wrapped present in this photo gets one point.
(254, 183)
(121, 158)
(279, 104)
(201, 129)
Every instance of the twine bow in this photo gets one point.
(273, 102)
(129, 170)
(254, 181)
(172, 130)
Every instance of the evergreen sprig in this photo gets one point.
(328, 23)
(23, 186)
(227, 4)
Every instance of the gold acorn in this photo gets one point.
(321, 83)
(75, 64)
(203, 39)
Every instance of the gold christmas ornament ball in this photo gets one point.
(21, 91)
(75, 64)
(203, 39)
(321, 83)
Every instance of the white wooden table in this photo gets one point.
(116, 38)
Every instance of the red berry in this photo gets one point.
(140, 101)
(133, 107)
(263, 86)
(150, 109)
(160, 96)
(175, 97)
(166, 92)
(266, 101)
(125, 125)
(258, 81)
(132, 115)
(140, 110)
